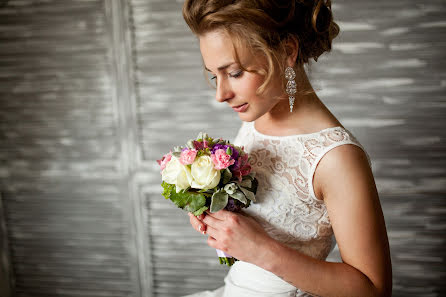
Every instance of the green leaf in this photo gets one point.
(247, 183)
(200, 211)
(206, 191)
(239, 196)
(227, 175)
(168, 188)
(188, 201)
(250, 195)
(230, 188)
(229, 151)
(255, 184)
(219, 201)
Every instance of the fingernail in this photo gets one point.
(204, 232)
(200, 227)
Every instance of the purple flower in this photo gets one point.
(233, 205)
(224, 147)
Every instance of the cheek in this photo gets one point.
(250, 86)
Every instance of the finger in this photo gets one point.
(197, 224)
(212, 232)
(212, 242)
(221, 214)
(209, 220)
(216, 215)
(202, 227)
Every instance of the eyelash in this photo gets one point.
(237, 74)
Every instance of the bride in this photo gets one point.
(315, 178)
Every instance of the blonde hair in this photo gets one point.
(265, 26)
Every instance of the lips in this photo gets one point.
(240, 108)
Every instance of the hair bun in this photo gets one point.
(322, 17)
(314, 27)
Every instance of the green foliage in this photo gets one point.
(200, 211)
(248, 187)
(227, 261)
(204, 152)
(227, 175)
(250, 195)
(219, 201)
(188, 201)
(246, 183)
(239, 196)
(230, 188)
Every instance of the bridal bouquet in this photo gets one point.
(208, 174)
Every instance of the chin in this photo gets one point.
(246, 117)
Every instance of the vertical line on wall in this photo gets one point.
(6, 273)
(124, 99)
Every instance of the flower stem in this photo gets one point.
(227, 261)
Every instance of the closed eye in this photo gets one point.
(238, 73)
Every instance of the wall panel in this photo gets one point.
(93, 92)
(64, 175)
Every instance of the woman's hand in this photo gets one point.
(237, 235)
(196, 222)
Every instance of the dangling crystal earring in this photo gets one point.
(290, 75)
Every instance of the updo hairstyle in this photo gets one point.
(265, 26)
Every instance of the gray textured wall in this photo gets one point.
(93, 92)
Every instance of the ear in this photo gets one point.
(292, 50)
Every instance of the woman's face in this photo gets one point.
(234, 86)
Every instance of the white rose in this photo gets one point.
(203, 173)
(177, 174)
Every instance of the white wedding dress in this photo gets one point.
(286, 205)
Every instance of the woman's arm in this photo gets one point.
(348, 189)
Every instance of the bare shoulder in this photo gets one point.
(346, 157)
(347, 185)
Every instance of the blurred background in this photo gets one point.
(93, 92)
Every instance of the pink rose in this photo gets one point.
(221, 160)
(164, 160)
(188, 156)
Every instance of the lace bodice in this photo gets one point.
(286, 204)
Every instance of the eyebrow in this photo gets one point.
(221, 67)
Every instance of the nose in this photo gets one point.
(224, 91)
